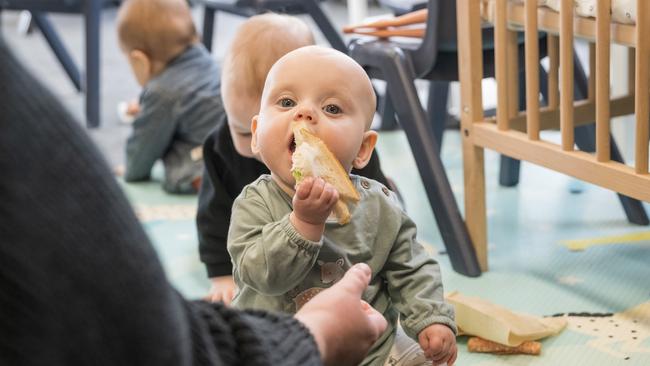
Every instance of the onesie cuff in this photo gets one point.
(310, 247)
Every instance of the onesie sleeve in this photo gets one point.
(415, 284)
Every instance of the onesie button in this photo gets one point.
(365, 184)
(386, 191)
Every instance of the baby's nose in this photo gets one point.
(304, 114)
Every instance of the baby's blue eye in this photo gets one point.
(287, 103)
(332, 109)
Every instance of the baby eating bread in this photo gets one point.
(284, 248)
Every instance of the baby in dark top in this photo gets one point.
(229, 162)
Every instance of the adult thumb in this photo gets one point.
(356, 279)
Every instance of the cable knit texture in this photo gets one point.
(80, 284)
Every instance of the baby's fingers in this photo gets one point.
(304, 188)
(453, 355)
(317, 189)
(330, 195)
(439, 351)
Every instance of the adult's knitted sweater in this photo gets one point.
(80, 284)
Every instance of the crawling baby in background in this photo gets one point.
(285, 246)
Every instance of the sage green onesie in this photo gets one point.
(276, 268)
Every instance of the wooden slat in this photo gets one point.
(631, 62)
(513, 74)
(611, 175)
(584, 114)
(501, 63)
(549, 21)
(641, 86)
(591, 86)
(603, 20)
(553, 71)
(566, 68)
(532, 69)
(470, 56)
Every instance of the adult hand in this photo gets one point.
(223, 289)
(344, 326)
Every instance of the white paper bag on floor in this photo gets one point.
(478, 317)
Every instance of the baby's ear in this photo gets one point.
(254, 148)
(141, 64)
(365, 152)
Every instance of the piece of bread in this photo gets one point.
(312, 158)
(477, 344)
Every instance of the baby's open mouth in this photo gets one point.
(292, 144)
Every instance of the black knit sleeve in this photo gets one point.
(79, 281)
(252, 338)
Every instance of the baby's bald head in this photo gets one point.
(321, 64)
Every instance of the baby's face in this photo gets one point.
(322, 89)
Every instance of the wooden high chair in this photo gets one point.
(437, 58)
(518, 133)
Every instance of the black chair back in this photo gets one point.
(440, 40)
(424, 58)
(282, 6)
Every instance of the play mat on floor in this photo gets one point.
(556, 246)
